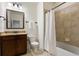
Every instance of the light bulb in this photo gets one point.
(10, 4)
(20, 7)
(15, 5)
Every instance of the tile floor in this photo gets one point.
(38, 53)
(60, 52)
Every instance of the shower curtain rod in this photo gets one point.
(56, 7)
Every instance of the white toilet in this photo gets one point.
(35, 46)
(34, 43)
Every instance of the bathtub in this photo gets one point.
(63, 52)
(66, 49)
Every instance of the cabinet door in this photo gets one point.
(8, 46)
(21, 44)
(0, 47)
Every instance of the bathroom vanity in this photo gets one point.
(13, 41)
(13, 44)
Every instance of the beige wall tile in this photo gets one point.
(67, 24)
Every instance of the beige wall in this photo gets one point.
(67, 24)
(50, 5)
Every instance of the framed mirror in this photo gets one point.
(15, 19)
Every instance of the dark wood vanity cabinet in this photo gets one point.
(13, 45)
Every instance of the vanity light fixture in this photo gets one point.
(19, 5)
(15, 4)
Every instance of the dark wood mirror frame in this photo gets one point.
(7, 21)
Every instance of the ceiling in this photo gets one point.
(46, 5)
(29, 3)
(50, 5)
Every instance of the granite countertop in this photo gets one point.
(12, 33)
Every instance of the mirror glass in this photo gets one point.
(15, 19)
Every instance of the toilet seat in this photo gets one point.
(35, 43)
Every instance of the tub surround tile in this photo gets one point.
(67, 24)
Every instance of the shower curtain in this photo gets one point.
(47, 31)
(50, 38)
